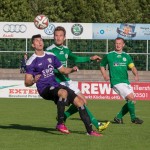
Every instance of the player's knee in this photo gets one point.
(132, 101)
(130, 97)
(62, 93)
(81, 96)
(78, 102)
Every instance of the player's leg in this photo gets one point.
(70, 111)
(85, 117)
(61, 103)
(131, 108)
(122, 112)
(74, 99)
(99, 125)
(127, 93)
(122, 90)
(59, 96)
(73, 109)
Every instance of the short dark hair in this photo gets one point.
(35, 36)
(60, 28)
(120, 38)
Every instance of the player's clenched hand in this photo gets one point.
(75, 68)
(36, 78)
(136, 78)
(96, 57)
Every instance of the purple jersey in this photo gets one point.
(44, 65)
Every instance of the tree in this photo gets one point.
(17, 10)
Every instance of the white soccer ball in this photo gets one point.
(41, 22)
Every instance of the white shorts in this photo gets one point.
(123, 89)
(73, 85)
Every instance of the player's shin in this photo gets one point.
(131, 107)
(123, 111)
(60, 110)
(92, 118)
(85, 118)
(70, 111)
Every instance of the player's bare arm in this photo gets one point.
(96, 57)
(29, 80)
(65, 70)
(104, 74)
(135, 72)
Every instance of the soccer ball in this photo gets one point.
(41, 22)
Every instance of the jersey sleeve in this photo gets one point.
(30, 69)
(104, 61)
(78, 59)
(57, 63)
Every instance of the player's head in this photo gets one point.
(59, 35)
(35, 36)
(37, 42)
(119, 44)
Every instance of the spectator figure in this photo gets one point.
(23, 64)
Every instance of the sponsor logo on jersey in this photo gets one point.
(116, 64)
(66, 55)
(61, 52)
(40, 64)
(124, 59)
(49, 60)
(77, 29)
(119, 56)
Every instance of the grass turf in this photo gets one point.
(29, 124)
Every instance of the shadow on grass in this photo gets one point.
(29, 128)
(32, 128)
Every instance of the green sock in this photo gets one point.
(131, 108)
(71, 110)
(92, 118)
(123, 111)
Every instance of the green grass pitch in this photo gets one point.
(29, 124)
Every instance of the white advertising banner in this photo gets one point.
(91, 90)
(28, 29)
(16, 89)
(103, 91)
(77, 30)
(127, 31)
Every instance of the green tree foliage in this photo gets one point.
(15, 11)
(145, 9)
(83, 11)
(102, 11)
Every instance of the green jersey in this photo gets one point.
(63, 53)
(118, 64)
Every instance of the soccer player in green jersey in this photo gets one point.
(118, 63)
(63, 53)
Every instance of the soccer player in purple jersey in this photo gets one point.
(43, 64)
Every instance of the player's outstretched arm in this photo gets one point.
(65, 70)
(96, 57)
(104, 74)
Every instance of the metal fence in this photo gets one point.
(12, 51)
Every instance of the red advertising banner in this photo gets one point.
(103, 91)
